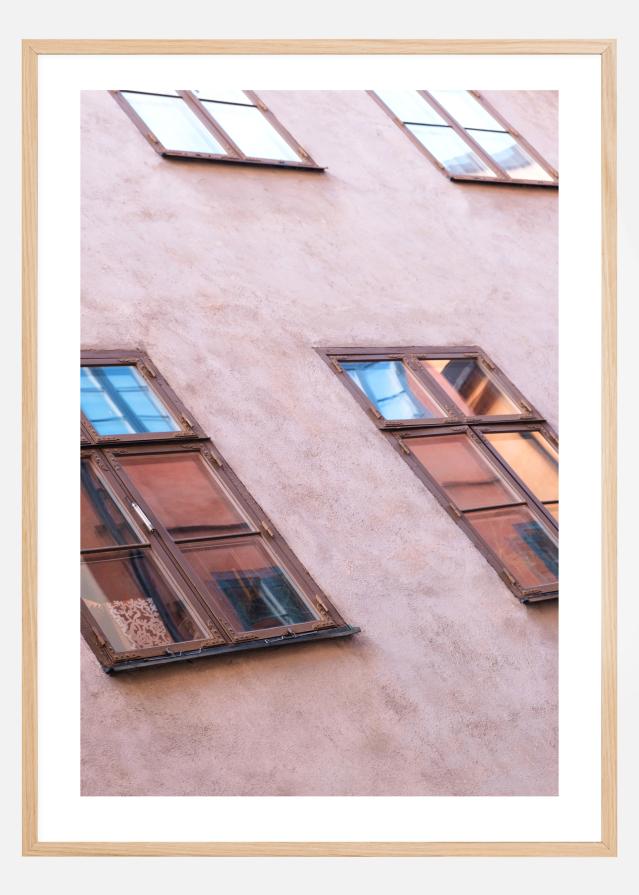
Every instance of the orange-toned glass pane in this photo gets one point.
(102, 523)
(524, 545)
(472, 388)
(554, 509)
(393, 389)
(133, 604)
(255, 590)
(183, 493)
(532, 457)
(468, 477)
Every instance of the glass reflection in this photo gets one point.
(508, 154)
(132, 603)
(173, 123)
(251, 131)
(256, 591)
(524, 546)
(466, 110)
(532, 457)
(409, 105)
(449, 149)
(116, 400)
(472, 388)
(182, 492)
(458, 466)
(392, 389)
(102, 523)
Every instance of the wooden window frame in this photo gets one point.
(234, 154)
(501, 175)
(398, 432)
(105, 455)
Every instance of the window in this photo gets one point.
(486, 454)
(465, 136)
(177, 560)
(221, 125)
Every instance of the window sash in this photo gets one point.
(498, 173)
(232, 152)
(400, 432)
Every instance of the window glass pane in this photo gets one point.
(459, 467)
(449, 149)
(247, 127)
(255, 590)
(392, 389)
(174, 124)
(524, 546)
(532, 457)
(116, 400)
(224, 96)
(133, 605)
(465, 109)
(408, 105)
(471, 387)
(508, 154)
(183, 493)
(101, 520)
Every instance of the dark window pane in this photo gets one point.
(101, 521)
(393, 389)
(251, 584)
(525, 547)
(117, 401)
(532, 457)
(472, 388)
(174, 124)
(133, 605)
(182, 491)
(469, 479)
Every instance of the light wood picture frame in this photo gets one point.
(31, 51)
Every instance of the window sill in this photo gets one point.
(253, 162)
(285, 640)
(471, 178)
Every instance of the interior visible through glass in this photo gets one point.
(256, 591)
(510, 156)
(173, 123)
(449, 149)
(522, 543)
(182, 492)
(469, 479)
(133, 605)
(391, 387)
(471, 387)
(116, 400)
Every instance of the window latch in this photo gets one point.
(145, 519)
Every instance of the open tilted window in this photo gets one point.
(487, 455)
(466, 137)
(220, 125)
(177, 560)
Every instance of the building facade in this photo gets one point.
(230, 277)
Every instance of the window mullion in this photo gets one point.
(212, 124)
(465, 136)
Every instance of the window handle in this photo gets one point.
(145, 519)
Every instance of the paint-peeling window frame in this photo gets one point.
(501, 175)
(105, 455)
(476, 428)
(233, 154)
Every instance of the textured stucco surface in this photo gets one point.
(228, 276)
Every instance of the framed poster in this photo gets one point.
(328, 327)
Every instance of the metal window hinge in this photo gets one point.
(375, 413)
(336, 366)
(488, 363)
(526, 406)
(454, 511)
(266, 528)
(148, 370)
(508, 577)
(187, 422)
(213, 456)
(145, 519)
(403, 446)
(321, 604)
